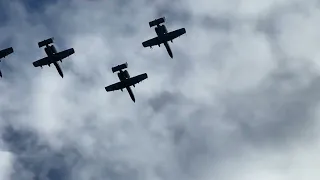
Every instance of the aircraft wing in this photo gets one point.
(115, 86)
(136, 79)
(41, 62)
(174, 34)
(6, 52)
(57, 57)
(151, 42)
(63, 54)
(126, 83)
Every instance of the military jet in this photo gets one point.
(163, 35)
(4, 53)
(125, 80)
(52, 55)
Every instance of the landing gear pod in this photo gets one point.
(157, 21)
(119, 67)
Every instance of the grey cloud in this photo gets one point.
(271, 116)
(37, 160)
(217, 23)
(165, 98)
(86, 133)
(274, 116)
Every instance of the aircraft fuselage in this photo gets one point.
(161, 30)
(50, 51)
(131, 93)
(58, 68)
(124, 75)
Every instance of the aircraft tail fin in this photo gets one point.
(119, 67)
(157, 21)
(45, 42)
(5, 52)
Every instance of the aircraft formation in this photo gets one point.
(53, 57)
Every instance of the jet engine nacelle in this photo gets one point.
(53, 49)
(165, 29)
(50, 50)
(126, 74)
(157, 21)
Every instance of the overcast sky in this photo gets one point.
(239, 100)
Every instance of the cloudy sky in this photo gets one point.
(239, 100)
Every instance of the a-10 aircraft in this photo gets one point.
(4, 53)
(125, 80)
(163, 35)
(52, 55)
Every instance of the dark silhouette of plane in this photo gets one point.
(163, 35)
(4, 53)
(52, 55)
(125, 80)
